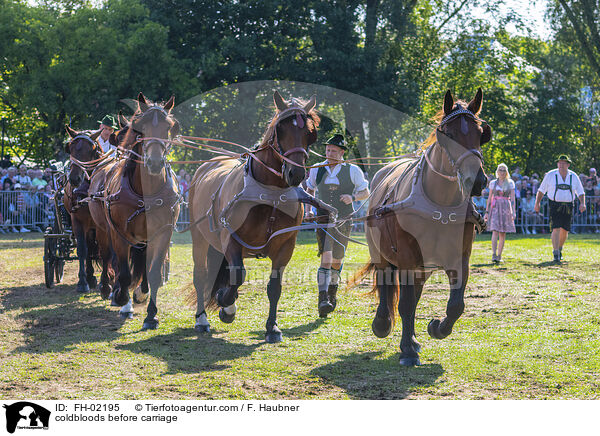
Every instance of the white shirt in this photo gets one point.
(548, 186)
(105, 145)
(330, 177)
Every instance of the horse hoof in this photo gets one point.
(381, 327)
(92, 282)
(433, 328)
(409, 360)
(204, 329)
(126, 315)
(225, 317)
(150, 325)
(83, 288)
(105, 291)
(273, 337)
(139, 297)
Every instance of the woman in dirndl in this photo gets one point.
(500, 210)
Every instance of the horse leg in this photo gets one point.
(273, 334)
(153, 272)
(237, 274)
(121, 295)
(409, 355)
(105, 255)
(116, 284)
(200, 256)
(420, 279)
(140, 295)
(82, 285)
(382, 323)
(89, 265)
(456, 304)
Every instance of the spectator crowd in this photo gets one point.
(25, 206)
(24, 197)
(529, 222)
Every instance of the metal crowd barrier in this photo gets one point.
(33, 211)
(528, 222)
(25, 211)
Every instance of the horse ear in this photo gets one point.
(122, 120)
(279, 103)
(72, 133)
(174, 130)
(311, 103)
(486, 136)
(143, 103)
(448, 102)
(169, 104)
(475, 104)
(95, 135)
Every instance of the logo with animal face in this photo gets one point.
(26, 415)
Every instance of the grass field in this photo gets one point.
(529, 331)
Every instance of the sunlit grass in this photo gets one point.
(530, 330)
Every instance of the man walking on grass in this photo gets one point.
(562, 186)
(338, 184)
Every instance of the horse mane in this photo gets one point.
(312, 122)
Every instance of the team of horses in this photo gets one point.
(419, 218)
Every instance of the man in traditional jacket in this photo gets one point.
(338, 184)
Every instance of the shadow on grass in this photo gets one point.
(184, 350)
(67, 324)
(365, 377)
(294, 332)
(545, 264)
(28, 296)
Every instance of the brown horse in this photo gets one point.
(138, 204)
(82, 148)
(420, 220)
(237, 210)
(96, 208)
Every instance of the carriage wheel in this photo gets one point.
(49, 262)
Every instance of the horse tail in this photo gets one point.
(360, 274)
(94, 251)
(221, 279)
(138, 266)
(393, 292)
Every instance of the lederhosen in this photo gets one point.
(330, 194)
(561, 212)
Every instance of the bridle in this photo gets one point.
(273, 144)
(455, 164)
(146, 143)
(88, 166)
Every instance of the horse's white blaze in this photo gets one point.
(127, 308)
(230, 310)
(202, 320)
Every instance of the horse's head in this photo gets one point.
(82, 148)
(292, 131)
(461, 133)
(151, 125)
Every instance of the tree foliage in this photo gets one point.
(69, 61)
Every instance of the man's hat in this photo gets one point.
(564, 157)
(337, 140)
(109, 121)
